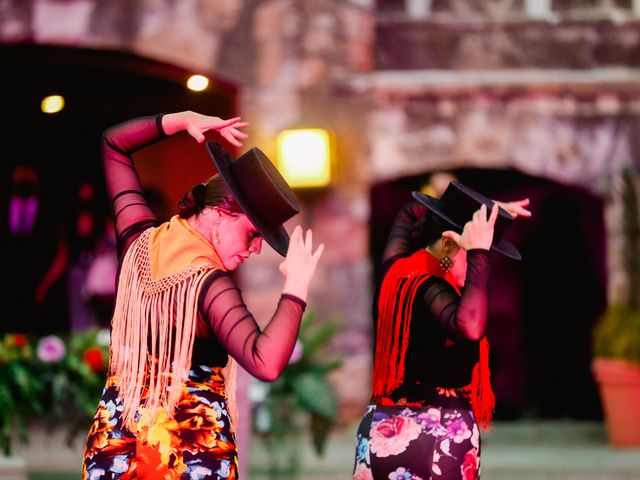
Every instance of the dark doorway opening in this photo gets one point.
(101, 88)
(542, 308)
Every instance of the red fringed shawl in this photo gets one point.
(395, 306)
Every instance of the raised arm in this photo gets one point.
(131, 212)
(264, 354)
(402, 231)
(462, 317)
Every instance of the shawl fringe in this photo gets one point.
(395, 308)
(153, 330)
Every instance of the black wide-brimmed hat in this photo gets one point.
(262, 193)
(456, 207)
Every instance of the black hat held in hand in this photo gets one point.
(456, 207)
(262, 193)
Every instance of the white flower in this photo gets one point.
(103, 338)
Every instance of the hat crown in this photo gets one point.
(456, 207)
(266, 193)
(260, 190)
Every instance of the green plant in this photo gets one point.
(302, 398)
(54, 379)
(617, 333)
(20, 388)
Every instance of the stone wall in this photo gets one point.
(552, 93)
(288, 58)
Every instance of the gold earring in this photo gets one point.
(216, 237)
(446, 263)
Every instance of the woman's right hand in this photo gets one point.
(300, 263)
(477, 233)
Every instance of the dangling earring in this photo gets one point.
(216, 225)
(446, 263)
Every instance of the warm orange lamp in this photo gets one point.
(304, 157)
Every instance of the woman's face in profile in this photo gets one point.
(238, 239)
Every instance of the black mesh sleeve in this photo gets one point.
(264, 354)
(131, 213)
(462, 317)
(402, 231)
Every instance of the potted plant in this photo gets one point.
(616, 336)
(300, 401)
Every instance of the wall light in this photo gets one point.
(52, 104)
(304, 157)
(197, 83)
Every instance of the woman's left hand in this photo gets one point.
(197, 124)
(516, 208)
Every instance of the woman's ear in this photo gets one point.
(449, 246)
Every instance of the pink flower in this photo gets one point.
(362, 472)
(51, 349)
(296, 354)
(391, 436)
(402, 473)
(431, 418)
(458, 431)
(469, 468)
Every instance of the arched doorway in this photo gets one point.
(101, 88)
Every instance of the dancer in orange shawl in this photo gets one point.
(179, 323)
(431, 384)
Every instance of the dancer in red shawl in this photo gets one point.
(431, 384)
(179, 325)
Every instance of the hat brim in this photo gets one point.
(503, 247)
(277, 238)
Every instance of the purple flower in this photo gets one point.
(296, 355)
(51, 349)
(458, 431)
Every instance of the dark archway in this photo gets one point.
(101, 88)
(543, 308)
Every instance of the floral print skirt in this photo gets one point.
(419, 441)
(196, 443)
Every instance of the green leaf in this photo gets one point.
(327, 367)
(315, 394)
(318, 337)
(307, 320)
(320, 427)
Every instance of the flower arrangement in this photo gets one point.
(302, 398)
(56, 378)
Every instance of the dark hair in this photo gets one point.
(213, 193)
(428, 230)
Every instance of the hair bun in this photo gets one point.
(193, 201)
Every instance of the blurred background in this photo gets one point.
(516, 98)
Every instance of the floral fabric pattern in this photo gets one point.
(196, 443)
(400, 442)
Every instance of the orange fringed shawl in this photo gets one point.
(395, 306)
(157, 305)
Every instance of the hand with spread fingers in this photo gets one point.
(300, 263)
(478, 233)
(198, 124)
(516, 208)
